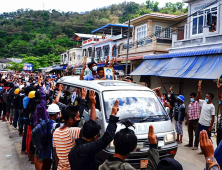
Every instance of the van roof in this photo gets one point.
(101, 85)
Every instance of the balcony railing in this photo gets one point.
(146, 45)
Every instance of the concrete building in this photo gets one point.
(197, 56)
(88, 49)
(4, 63)
(152, 34)
(72, 57)
(113, 36)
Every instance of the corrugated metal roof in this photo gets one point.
(185, 54)
(111, 25)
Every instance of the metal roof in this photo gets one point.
(185, 54)
(106, 29)
(101, 85)
(160, 16)
(86, 35)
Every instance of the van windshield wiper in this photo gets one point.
(153, 118)
(130, 118)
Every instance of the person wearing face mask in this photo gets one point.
(91, 76)
(219, 127)
(179, 115)
(207, 115)
(192, 120)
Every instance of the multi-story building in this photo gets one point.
(197, 56)
(72, 57)
(113, 34)
(88, 49)
(148, 37)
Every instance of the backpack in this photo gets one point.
(41, 134)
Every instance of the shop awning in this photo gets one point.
(150, 67)
(59, 68)
(199, 67)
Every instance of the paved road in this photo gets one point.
(10, 155)
(189, 159)
(12, 159)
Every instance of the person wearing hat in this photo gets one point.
(179, 115)
(47, 154)
(16, 108)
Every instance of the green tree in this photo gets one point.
(15, 66)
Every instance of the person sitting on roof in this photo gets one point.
(91, 76)
(96, 73)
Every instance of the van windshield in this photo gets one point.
(135, 105)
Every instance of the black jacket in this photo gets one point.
(16, 101)
(82, 155)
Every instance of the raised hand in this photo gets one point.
(84, 66)
(115, 108)
(199, 83)
(151, 136)
(84, 93)
(171, 88)
(107, 59)
(92, 97)
(39, 81)
(111, 63)
(206, 144)
(60, 87)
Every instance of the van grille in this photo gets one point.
(146, 141)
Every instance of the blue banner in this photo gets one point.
(27, 67)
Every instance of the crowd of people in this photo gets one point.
(55, 135)
(200, 116)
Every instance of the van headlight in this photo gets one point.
(169, 138)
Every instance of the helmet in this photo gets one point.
(31, 94)
(16, 91)
(53, 109)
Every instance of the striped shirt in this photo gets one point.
(63, 141)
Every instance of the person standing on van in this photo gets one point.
(179, 115)
(207, 115)
(192, 120)
(91, 76)
(219, 127)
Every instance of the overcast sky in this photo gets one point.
(64, 5)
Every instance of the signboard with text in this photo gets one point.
(27, 67)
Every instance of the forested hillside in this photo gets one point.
(39, 33)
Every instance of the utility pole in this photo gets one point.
(127, 54)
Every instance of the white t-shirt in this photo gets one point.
(207, 111)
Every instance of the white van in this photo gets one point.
(137, 103)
